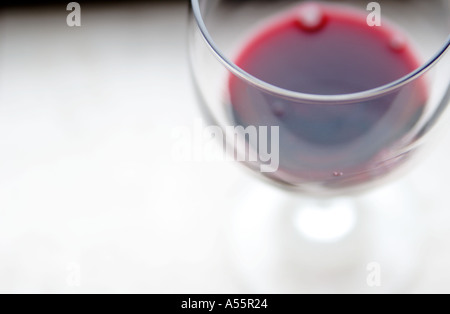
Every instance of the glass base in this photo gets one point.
(286, 244)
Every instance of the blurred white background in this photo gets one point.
(91, 199)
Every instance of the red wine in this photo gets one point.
(329, 50)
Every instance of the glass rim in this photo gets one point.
(370, 93)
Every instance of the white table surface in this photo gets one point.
(91, 199)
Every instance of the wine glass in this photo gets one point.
(325, 101)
